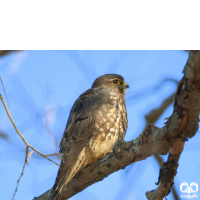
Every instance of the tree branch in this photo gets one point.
(27, 146)
(181, 125)
(25, 162)
(26, 143)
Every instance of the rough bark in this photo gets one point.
(181, 125)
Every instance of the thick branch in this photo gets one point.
(183, 123)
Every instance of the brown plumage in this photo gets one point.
(97, 120)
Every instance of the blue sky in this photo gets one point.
(41, 87)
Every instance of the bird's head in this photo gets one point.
(114, 82)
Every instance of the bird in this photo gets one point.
(97, 121)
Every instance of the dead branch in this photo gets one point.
(154, 115)
(25, 162)
(26, 143)
(181, 125)
(4, 90)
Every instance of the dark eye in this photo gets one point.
(116, 82)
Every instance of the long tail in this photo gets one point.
(70, 173)
(56, 192)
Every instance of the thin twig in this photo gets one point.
(26, 156)
(54, 154)
(26, 143)
(21, 134)
(42, 154)
(4, 91)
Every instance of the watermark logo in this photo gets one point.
(189, 190)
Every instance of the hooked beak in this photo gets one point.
(126, 85)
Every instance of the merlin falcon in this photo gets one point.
(97, 120)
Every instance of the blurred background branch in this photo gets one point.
(7, 52)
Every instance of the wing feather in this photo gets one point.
(80, 127)
(72, 131)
